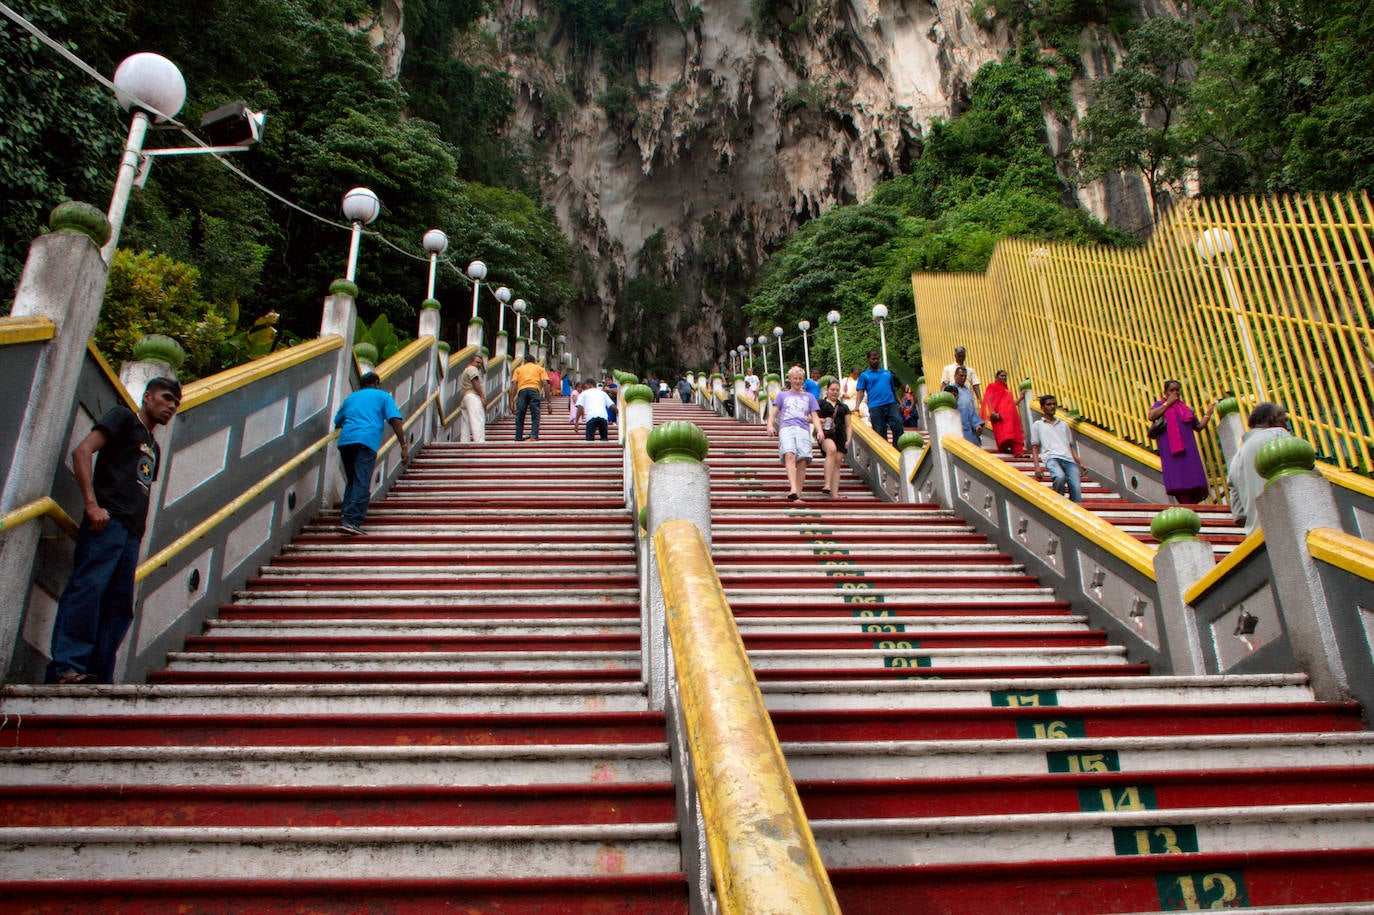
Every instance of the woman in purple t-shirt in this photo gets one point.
(794, 415)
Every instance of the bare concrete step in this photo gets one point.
(970, 758)
(1055, 836)
(312, 661)
(286, 853)
(317, 699)
(561, 764)
(1062, 692)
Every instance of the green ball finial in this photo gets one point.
(637, 393)
(431, 304)
(365, 352)
(75, 217)
(159, 348)
(1285, 457)
(1227, 406)
(344, 287)
(677, 442)
(1175, 524)
(941, 401)
(911, 440)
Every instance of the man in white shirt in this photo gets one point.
(973, 383)
(1052, 442)
(1268, 421)
(594, 407)
(472, 420)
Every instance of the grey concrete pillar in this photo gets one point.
(64, 282)
(911, 446)
(679, 487)
(1296, 500)
(1181, 560)
(944, 420)
(1230, 427)
(340, 317)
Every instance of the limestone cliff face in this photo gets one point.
(735, 132)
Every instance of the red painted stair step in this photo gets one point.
(246, 644)
(326, 806)
(336, 730)
(364, 584)
(952, 673)
(382, 611)
(400, 676)
(906, 641)
(1047, 723)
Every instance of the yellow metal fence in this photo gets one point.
(1264, 298)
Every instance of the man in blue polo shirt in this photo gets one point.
(360, 421)
(880, 388)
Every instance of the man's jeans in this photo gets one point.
(886, 419)
(97, 605)
(599, 425)
(527, 400)
(1065, 475)
(358, 461)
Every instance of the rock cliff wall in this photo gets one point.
(745, 120)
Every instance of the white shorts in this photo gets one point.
(792, 440)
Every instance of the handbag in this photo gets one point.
(1157, 428)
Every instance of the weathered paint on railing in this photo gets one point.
(39, 508)
(206, 389)
(1223, 569)
(764, 856)
(25, 329)
(1343, 551)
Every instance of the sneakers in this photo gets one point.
(349, 529)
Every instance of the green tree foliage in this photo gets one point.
(1283, 99)
(619, 30)
(153, 294)
(334, 122)
(1134, 124)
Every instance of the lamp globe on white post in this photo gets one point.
(477, 271)
(518, 306)
(562, 345)
(145, 84)
(1216, 244)
(834, 318)
(762, 337)
(360, 207)
(543, 325)
(880, 315)
(804, 326)
(436, 243)
(503, 296)
(777, 334)
(749, 342)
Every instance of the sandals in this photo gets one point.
(76, 678)
(792, 496)
(825, 492)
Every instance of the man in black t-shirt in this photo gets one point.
(97, 605)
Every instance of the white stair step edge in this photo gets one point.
(1056, 836)
(453, 571)
(321, 699)
(478, 549)
(939, 658)
(299, 853)
(911, 550)
(555, 764)
(319, 661)
(838, 565)
(939, 597)
(911, 624)
(1066, 692)
(971, 758)
(581, 597)
(422, 628)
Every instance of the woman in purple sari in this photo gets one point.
(1184, 477)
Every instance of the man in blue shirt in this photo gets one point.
(878, 385)
(360, 421)
(812, 385)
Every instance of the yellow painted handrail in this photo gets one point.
(25, 329)
(171, 550)
(1345, 551)
(876, 443)
(1223, 569)
(763, 855)
(1072, 516)
(639, 466)
(198, 392)
(749, 401)
(38, 508)
(462, 356)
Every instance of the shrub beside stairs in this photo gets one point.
(962, 743)
(443, 715)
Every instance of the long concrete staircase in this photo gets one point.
(443, 715)
(963, 743)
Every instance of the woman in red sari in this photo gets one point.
(1001, 412)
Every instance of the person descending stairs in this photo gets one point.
(444, 714)
(963, 743)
